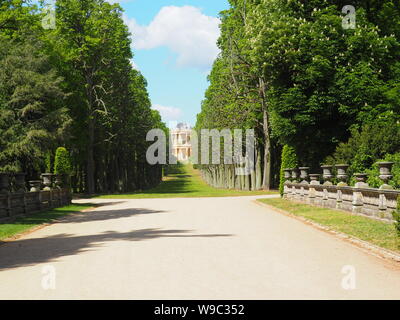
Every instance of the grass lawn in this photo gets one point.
(23, 224)
(183, 182)
(376, 232)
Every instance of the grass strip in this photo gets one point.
(184, 182)
(376, 232)
(23, 224)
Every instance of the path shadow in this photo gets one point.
(105, 215)
(27, 252)
(47, 215)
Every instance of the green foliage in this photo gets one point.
(321, 78)
(289, 160)
(373, 173)
(396, 216)
(74, 86)
(62, 162)
(48, 162)
(290, 70)
(376, 140)
(31, 104)
(109, 101)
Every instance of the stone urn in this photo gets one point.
(47, 181)
(314, 178)
(304, 174)
(4, 182)
(288, 174)
(58, 181)
(61, 180)
(35, 185)
(327, 174)
(295, 175)
(361, 179)
(385, 174)
(20, 185)
(342, 174)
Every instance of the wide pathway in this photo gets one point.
(208, 248)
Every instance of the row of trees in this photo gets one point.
(289, 69)
(74, 86)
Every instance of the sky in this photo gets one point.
(174, 45)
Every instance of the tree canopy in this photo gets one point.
(74, 86)
(290, 70)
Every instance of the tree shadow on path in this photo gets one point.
(27, 252)
(104, 215)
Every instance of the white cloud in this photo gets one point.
(168, 113)
(184, 30)
(134, 65)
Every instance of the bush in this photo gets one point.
(373, 173)
(374, 141)
(48, 162)
(62, 162)
(289, 160)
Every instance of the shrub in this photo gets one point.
(373, 173)
(62, 162)
(289, 160)
(369, 144)
(48, 162)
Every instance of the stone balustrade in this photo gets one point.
(15, 199)
(360, 199)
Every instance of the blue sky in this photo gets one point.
(174, 47)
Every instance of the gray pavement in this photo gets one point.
(206, 248)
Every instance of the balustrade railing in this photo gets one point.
(360, 199)
(15, 198)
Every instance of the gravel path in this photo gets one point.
(206, 248)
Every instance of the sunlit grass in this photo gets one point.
(376, 232)
(23, 224)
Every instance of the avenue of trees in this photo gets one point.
(291, 71)
(74, 86)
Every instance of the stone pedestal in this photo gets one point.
(327, 174)
(385, 174)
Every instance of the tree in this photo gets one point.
(109, 100)
(290, 70)
(321, 79)
(31, 105)
(74, 86)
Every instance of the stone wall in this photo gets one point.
(15, 199)
(367, 201)
(360, 199)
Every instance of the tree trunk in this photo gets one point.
(90, 159)
(90, 147)
(267, 139)
(258, 171)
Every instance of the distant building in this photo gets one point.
(181, 142)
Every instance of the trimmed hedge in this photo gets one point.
(62, 162)
(289, 160)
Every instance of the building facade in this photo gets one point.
(181, 142)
